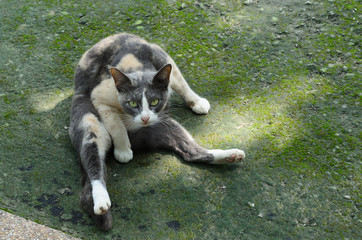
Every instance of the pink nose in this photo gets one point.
(145, 119)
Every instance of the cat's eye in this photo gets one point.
(133, 104)
(154, 102)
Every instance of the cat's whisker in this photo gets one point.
(165, 123)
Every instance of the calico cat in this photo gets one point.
(122, 87)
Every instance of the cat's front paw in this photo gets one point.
(227, 156)
(123, 156)
(201, 106)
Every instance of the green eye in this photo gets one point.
(154, 102)
(133, 104)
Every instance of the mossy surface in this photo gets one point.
(284, 82)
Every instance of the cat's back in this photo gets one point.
(124, 51)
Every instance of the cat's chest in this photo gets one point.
(105, 94)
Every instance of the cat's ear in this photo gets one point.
(120, 79)
(162, 78)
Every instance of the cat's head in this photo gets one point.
(142, 95)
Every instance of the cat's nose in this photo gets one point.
(145, 119)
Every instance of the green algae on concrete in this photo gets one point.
(283, 79)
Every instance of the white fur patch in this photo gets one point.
(101, 200)
(145, 110)
(145, 114)
(227, 156)
(201, 106)
(123, 156)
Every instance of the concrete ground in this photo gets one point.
(16, 228)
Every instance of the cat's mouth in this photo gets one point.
(146, 119)
(141, 122)
(146, 123)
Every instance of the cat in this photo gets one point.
(122, 87)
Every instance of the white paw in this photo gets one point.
(101, 200)
(102, 205)
(201, 106)
(123, 156)
(227, 156)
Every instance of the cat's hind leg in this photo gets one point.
(170, 135)
(93, 141)
(178, 83)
